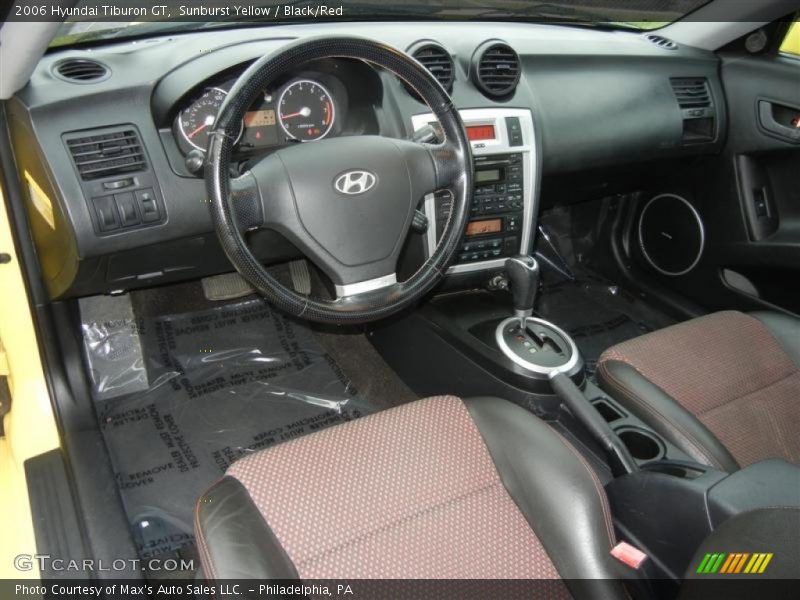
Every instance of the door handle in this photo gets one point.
(767, 120)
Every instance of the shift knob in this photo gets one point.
(523, 273)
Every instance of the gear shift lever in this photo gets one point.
(523, 273)
(544, 349)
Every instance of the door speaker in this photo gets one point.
(671, 234)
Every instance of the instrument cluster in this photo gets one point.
(303, 108)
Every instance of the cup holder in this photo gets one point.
(641, 444)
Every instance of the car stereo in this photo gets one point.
(504, 201)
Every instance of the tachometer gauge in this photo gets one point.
(195, 121)
(305, 110)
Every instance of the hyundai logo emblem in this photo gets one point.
(354, 182)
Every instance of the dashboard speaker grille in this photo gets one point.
(438, 62)
(691, 92)
(497, 70)
(81, 70)
(107, 154)
(671, 235)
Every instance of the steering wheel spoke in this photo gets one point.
(349, 290)
(248, 208)
(447, 161)
(434, 165)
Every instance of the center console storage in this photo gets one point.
(668, 508)
(644, 444)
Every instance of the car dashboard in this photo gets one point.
(113, 164)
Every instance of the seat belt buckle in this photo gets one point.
(628, 555)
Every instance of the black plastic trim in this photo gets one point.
(56, 525)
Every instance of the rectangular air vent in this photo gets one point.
(692, 93)
(107, 154)
(697, 109)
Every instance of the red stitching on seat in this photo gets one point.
(598, 487)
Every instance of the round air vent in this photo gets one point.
(81, 70)
(661, 42)
(495, 69)
(671, 235)
(437, 60)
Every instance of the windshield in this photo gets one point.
(91, 20)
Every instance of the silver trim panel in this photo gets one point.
(368, 285)
(514, 357)
(501, 145)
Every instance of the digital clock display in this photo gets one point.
(480, 132)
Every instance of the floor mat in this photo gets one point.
(222, 383)
(596, 314)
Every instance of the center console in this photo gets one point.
(474, 342)
(506, 186)
(477, 343)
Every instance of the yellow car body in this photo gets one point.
(791, 45)
(30, 427)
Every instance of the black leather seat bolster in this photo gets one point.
(664, 414)
(235, 538)
(557, 492)
(785, 329)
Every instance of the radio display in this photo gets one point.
(482, 227)
(488, 175)
(480, 132)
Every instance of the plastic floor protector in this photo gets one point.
(595, 318)
(220, 384)
(113, 346)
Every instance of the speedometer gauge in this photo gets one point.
(305, 111)
(196, 121)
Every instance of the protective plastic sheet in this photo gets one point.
(222, 383)
(113, 346)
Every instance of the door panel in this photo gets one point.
(755, 223)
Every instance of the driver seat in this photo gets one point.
(438, 488)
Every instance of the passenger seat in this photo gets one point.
(724, 388)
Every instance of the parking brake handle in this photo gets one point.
(621, 460)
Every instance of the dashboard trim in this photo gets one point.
(531, 161)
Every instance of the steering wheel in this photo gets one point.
(347, 203)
